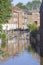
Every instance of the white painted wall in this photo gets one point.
(9, 26)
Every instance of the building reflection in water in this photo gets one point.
(17, 43)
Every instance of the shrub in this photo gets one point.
(3, 36)
(32, 27)
(3, 40)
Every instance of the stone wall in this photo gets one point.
(35, 40)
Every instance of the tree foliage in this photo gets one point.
(3, 36)
(5, 9)
(22, 6)
(32, 27)
(0, 27)
(35, 4)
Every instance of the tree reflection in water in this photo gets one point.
(17, 45)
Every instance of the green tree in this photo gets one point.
(36, 4)
(5, 9)
(19, 5)
(29, 5)
(22, 6)
(36, 0)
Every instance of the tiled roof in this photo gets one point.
(27, 12)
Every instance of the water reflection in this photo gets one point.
(24, 58)
(41, 60)
(15, 53)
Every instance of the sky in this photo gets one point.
(23, 1)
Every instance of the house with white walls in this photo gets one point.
(9, 26)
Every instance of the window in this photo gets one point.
(15, 15)
(15, 22)
(35, 15)
(35, 22)
(15, 19)
(24, 21)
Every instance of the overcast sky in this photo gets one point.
(23, 1)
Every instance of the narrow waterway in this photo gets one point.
(25, 58)
(19, 45)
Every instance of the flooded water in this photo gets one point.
(25, 58)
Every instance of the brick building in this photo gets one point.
(36, 17)
(20, 18)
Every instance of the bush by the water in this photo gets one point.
(32, 27)
(3, 40)
(3, 37)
